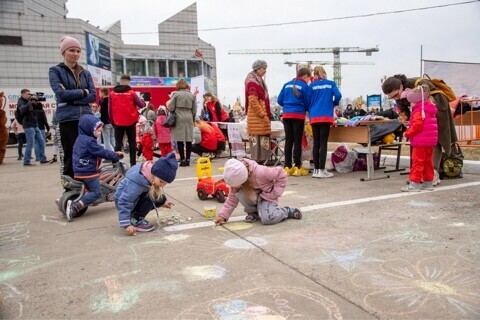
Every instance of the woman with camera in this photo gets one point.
(74, 90)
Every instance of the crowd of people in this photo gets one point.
(89, 131)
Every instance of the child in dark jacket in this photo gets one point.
(142, 191)
(87, 157)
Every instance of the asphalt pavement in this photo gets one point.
(363, 250)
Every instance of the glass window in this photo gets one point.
(162, 68)
(119, 66)
(136, 67)
(194, 68)
(181, 69)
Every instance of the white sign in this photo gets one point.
(197, 87)
(13, 94)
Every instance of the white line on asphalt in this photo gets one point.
(331, 205)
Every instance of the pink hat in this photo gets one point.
(68, 42)
(235, 173)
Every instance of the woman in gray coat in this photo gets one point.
(184, 104)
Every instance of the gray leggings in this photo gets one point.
(269, 212)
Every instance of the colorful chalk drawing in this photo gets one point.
(202, 273)
(434, 284)
(116, 299)
(266, 303)
(13, 301)
(20, 262)
(12, 235)
(346, 259)
(234, 226)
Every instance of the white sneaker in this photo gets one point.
(436, 178)
(321, 174)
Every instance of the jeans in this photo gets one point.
(108, 136)
(34, 138)
(39, 146)
(94, 191)
(21, 138)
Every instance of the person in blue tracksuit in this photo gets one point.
(294, 98)
(325, 96)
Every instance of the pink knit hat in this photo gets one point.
(68, 42)
(235, 173)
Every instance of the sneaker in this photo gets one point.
(427, 185)
(321, 174)
(71, 210)
(53, 160)
(294, 213)
(29, 164)
(289, 171)
(412, 187)
(298, 172)
(252, 217)
(436, 178)
(19, 158)
(142, 225)
(44, 161)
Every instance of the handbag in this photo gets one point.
(451, 165)
(170, 120)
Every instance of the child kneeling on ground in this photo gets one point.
(87, 158)
(257, 188)
(142, 190)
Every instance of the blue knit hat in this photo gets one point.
(165, 168)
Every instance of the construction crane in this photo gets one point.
(337, 73)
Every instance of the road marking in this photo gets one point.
(330, 205)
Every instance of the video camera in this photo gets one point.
(38, 96)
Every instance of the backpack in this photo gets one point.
(440, 87)
(19, 116)
(451, 165)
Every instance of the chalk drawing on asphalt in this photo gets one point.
(266, 303)
(20, 262)
(346, 259)
(13, 301)
(202, 273)
(433, 283)
(54, 219)
(470, 252)
(116, 299)
(247, 243)
(12, 235)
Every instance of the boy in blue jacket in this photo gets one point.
(87, 158)
(142, 191)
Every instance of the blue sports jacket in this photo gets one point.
(294, 107)
(323, 99)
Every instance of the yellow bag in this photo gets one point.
(440, 87)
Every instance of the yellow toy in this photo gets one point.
(389, 138)
(207, 185)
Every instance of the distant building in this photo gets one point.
(30, 32)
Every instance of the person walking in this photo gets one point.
(74, 91)
(325, 96)
(21, 138)
(3, 127)
(184, 105)
(257, 107)
(295, 99)
(123, 108)
(108, 134)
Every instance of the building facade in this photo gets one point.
(30, 32)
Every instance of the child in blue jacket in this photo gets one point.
(87, 158)
(142, 190)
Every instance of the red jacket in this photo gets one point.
(123, 106)
(218, 133)
(209, 139)
(216, 111)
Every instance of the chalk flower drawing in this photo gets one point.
(433, 284)
(346, 259)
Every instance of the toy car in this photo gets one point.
(206, 185)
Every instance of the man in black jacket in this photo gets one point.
(28, 107)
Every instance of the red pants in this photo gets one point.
(422, 164)
(165, 148)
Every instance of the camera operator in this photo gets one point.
(28, 106)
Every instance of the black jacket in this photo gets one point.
(28, 109)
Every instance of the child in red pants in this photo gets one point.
(147, 143)
(163, 134)
(423, 136)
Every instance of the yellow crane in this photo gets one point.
(337, 74)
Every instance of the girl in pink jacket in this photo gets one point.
(257, 188)
(163, 134)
